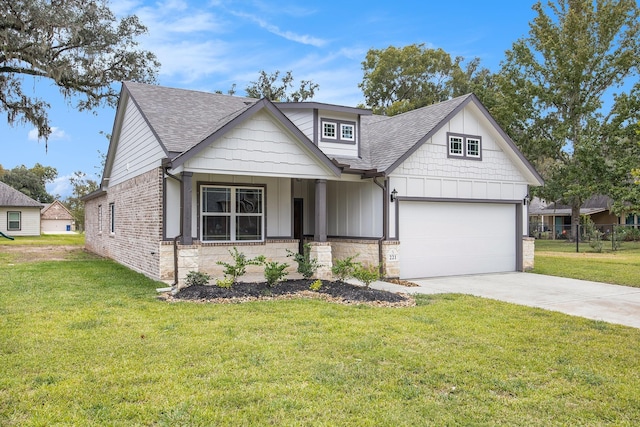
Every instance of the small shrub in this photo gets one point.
(274, 272)
(306, 265)
(366, 274)
(225, 283)
(315, 286)
(240, 263)
(197, 278)
(343, 268)
(596, 241)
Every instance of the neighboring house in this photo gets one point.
(189, 175)
(553, 220)
(56, 218)
(19, 213)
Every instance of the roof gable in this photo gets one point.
(182, 118)
(55, 210)
(10, 197)
(388, 141)
(223, 128)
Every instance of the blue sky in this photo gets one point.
(210, 45)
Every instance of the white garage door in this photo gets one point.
(445, 239)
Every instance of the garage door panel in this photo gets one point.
(443, 238)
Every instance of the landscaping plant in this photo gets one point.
(240, 264)
(197, 278)
(275, 272)
(307, 266)
(366, 274)
(343, 268)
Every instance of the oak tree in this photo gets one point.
(77, 44)
(569, 96)
(397, 80)
(278, 89)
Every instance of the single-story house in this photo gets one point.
(553, 220)
(56, 218)
(189, 175)
(19, 213)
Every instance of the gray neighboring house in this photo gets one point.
(189, 175)
(19, 213)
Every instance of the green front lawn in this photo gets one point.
(75, 239)
(559, 258)
(86, 342)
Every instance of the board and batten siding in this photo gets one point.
(429, 173)
(29, 221)
(354, 209)
(137, 151)
(260, 147)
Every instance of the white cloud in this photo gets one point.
(60, 187)
(56, 134)
(289, 35)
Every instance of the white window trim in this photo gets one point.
(339, 125)
(353, 131)
(9, 221)
(465, 147)
(335, 130)
(477, 140)
(232, 214)
(450, 145)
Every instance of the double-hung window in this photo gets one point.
(231, 214)
(14, 221)
(99, 218)
(112, 218)
(464, 146)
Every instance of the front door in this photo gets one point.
(298, 229)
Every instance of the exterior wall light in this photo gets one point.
(394, 195)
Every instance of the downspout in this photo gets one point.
(385, 214)
(175, 239)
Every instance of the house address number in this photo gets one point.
(392, 255)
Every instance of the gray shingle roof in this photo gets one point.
(385, 140)
(182, 118)
(11, 197)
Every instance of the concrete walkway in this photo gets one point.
(593, 300)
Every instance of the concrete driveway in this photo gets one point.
(593, 300)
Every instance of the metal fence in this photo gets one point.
(615, 233)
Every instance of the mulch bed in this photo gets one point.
(338, 292)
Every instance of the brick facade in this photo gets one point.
(136, 240)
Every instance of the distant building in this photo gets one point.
(19, 213)
(56, 218)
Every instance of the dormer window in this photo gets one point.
(338, 131)
(328, 130)
(347, 132)
(464, 146)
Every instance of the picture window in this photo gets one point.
(232, 214)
